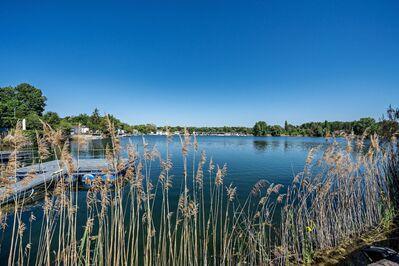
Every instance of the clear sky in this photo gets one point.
(206, 63)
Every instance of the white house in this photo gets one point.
(120, 131)
(161, 133)
(81, 130)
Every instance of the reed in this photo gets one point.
(339, 195)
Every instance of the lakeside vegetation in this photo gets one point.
(338, 196)
(199, 133)
(27, 102)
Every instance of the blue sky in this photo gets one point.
(206, 63)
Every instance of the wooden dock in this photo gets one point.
(24, 155)
(47, 173)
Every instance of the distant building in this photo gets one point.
(161, 133)
(80, 130)
(120, 131)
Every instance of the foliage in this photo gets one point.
(26, 101)
(52, 118)
(135, 221)
(19, 102)
(318, 129)
(260, 129)
(389, 126)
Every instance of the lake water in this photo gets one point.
(248, 160)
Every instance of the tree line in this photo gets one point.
(317, 129)
(387, 126)
(24, 101)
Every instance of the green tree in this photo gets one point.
(31, 98)
(151, 128)
(20, 102)
(8, 107)
(364, 124)
(65, 126)
(260, 128)
(52, 118)
(33, 121)
(389, 126)
(276, 130)
(95, 120)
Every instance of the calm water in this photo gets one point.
(248, 159)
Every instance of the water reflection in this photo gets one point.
(260, 145)
(94, 149)
(249, 159)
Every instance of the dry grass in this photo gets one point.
(339, 195)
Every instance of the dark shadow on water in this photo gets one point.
(260, 145)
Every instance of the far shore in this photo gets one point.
(95, 137)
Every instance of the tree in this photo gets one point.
(319, 131)
(364, 124)
(260, 128)
(95, 120)
(65, 126)
(33, 121)
(390, 126)
(151, 128)
(51, 118)
(392, 113)
(276, 130)
(95, 116)
(31, 97)
(8, 107)
(20, 102)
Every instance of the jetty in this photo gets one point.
(46, 174)
(22, 156)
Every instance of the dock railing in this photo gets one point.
(27, 157)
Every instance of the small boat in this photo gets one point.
(87, 179)
(108, 178)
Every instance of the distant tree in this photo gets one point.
(276, 130)
(392, 113)
(31, 97)
(82, 119)
(319, 132)
(151, 128)
(286, 126)
(363, 124)
(389, 126)
(95, 120)
(19, 102)
(327, 128)
(65, 126)
(33, 121)
(52, 118)
(95, 116)
(260, 128)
